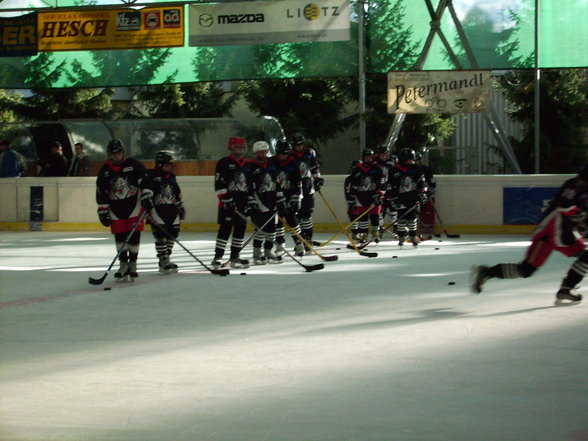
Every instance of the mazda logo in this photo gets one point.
(205, 20)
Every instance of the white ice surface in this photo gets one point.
(379, 349)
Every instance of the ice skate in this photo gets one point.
(133, 270)
(299, 249)
(401, 241)
(414, 241)
(216, 263)
(122, 273)
(165, 266)
(479, 276)
(239, 263)
(567, 296)
(376, 236)
(258, 258)
(280, 249)
(272, 257)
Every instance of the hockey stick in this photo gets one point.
(257, 229)
(345, 228)
(220, 272)
(308, 244)
(351, 241)
(452, 236)
(99, 281)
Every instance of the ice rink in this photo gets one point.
(392, 348)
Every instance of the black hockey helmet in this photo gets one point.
(383, 148)
(353, 164)
(283, 147)
(418, 156)
(162, 158)
(405, 155)
(367, 152)
(297, 139)
(115, 146)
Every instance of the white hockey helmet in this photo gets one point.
(260, 146)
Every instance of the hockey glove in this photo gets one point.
(295, 203)
(147, 200)
(423, 198)
(251, 207)
(394, 205)
(181, 211)
(104, 216)
(228, 203)
(318, 183)
(377, 197)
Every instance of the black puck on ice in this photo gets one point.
(243, 274)
(436, 248)
(107, 288)
(337, 248)
(394, 257)
(451, 283)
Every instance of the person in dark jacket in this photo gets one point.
(55, 164)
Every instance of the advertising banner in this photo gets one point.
(111, 29)
(285, 21)
(439, 91)
(524, 205)
(18, 36)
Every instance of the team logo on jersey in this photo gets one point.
(282, 179)
(239, 182)
(166, 196)
(407, 184)
(121, 189)
(366, 184)
(304, 169)
(267, 185)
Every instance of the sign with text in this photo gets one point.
(439, 91)
(111, 29)
(284, 21)
(18, 36)
(524, 205)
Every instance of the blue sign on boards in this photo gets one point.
(525, 205)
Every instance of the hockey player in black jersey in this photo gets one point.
(168, 209)
(406, 194)
(122, 194)
(352, 209)
(290, 181)
(559, 230)
(231, 183)
(266, 192)
(311, 182)
(385, 161)
(366, 189)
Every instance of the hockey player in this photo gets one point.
(386, 163)
(266, 193)
(367, 187)
(311, 182)
(122, 195)
(290, 181)
(427, 213)
(168, 210)
(559, 230)
(352, 209)
(407, 192)
(232, 189)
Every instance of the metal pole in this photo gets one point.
(537, 104)
(361, 74)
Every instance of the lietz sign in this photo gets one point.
(282, 21)
(439, 91)
(111, 29)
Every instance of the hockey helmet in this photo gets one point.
(405, 155)
(367, 152)
(418, 156)
(115, 146)
(353, 164)
(260, 146)
(297, 139)
(237, 145)
(383, 148)
(283, 147)
(163, 158)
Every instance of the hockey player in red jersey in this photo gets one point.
(168, 210)
(366, 188)
(231, 183)
(311, 182)
(122, 194)
(559, 230)
(266, 193)
(407, 193)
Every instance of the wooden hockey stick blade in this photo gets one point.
(329, 258)
(99, 281)
(219, 272)
(316, 243)
(452, 235)
(368, 254)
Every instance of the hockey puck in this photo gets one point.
(394, 257)
(107, 288)
(243, 274)
(451, 283)
(337, 248)
(436, 248)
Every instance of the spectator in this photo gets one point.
(56, 164)
(80, 163)
(12, 163)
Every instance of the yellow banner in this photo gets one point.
(111, 29)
